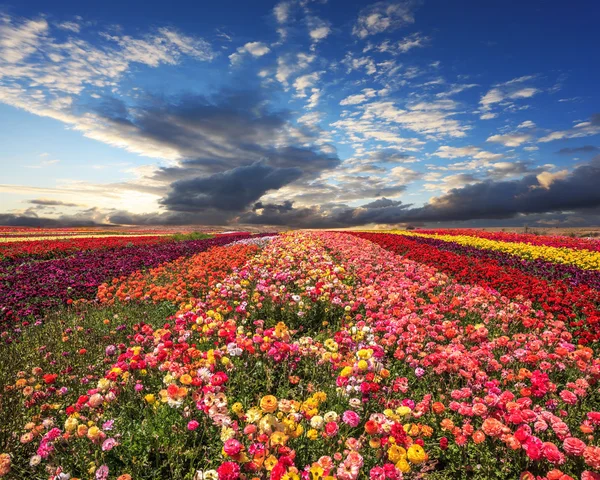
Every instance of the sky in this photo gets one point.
(301, 113)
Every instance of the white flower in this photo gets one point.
(330, 417)
(316, 421)
(35, 460)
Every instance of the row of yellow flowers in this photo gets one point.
(584, 259)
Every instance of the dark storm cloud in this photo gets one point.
(233, 149)
(577, 191)
(218, 133)
(584, 149)
(52, 203)
(391, 155)
(232, 190)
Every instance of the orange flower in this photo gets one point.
(478, 437)
(268, 403)
(438, 407)
(492, 427)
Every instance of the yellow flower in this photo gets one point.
(278, 438)
(316, 471)
(94, 433)
(185, 379)
(346, 372)
(403, 466)
(150, 398)
(320, 396)
(396, 453)
(270, 462)
(71, 424)
(403, 410)
(363, 365)
(237, 408)
(312, 434)
(416, 454)
(365, 353)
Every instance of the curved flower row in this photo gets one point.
(584, 259)
(540, 268)
(178, 281)
(363, 363)
(528, 238)
(578, 306)
(29, 290)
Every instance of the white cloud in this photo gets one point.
(488, 116)
(256, 49)
(383, 16)
(456, 89)
(70, 26)
(311, 119)
(510, 139)
(313, 100)
(320, 33)
(305, 81)
(504, 92)
(354, 63)
(526, 124)
(19, 40)
(360, 97)
(415, 40)
(44, 77)
(289, 65)
(282, 11)
(583, 129)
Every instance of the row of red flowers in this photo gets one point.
(579, 306)
(58, 248)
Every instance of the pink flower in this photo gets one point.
(102, 473)
(109, 444)
(192, 425)
(377, 473)
(574, 446)
(232, 447)
(351, 418)
(568, 397)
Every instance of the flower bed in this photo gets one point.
(578, 306)
(362, 364)
(30, 289)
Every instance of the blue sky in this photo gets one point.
(301, 113)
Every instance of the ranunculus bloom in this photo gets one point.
(331, 429)
(228, 471)
(351, 418)
(232, 447)
(268, 403)
(574, 446)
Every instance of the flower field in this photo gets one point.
(304, 356)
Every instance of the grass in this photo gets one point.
(180, 237)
